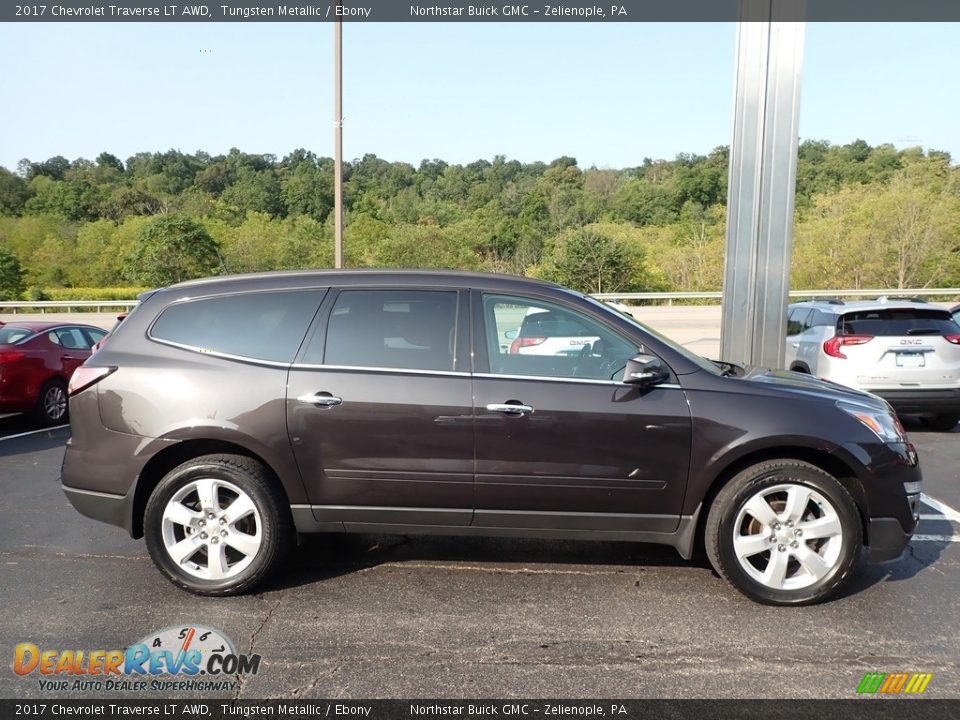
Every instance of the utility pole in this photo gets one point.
(338, 143)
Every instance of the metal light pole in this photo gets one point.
(338, 144)
(763, 170)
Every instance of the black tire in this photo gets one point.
(52, 407)
(259, 485)
(733, 497)
(943, 423)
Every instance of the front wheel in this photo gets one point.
(217, 525)
(784, 532)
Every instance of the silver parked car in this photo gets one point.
(907, 352)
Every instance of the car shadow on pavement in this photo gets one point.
(34, 443)
(322, 557)
(918, 556)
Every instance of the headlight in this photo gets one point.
(884, 424)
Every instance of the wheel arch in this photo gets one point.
(170, 457)
(829, 463)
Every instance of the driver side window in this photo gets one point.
(540, 339)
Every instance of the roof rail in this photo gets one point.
(830, 300)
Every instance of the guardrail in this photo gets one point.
(716, 295)
(98, 305)
(65, 305)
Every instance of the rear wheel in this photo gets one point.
(51, 407)
(943, 423)
(784, 532)
(217, 525)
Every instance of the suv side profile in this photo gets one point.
(907, 352)
(225, 416)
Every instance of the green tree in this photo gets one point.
(254, 191)
(171, 249)
(13, 193)
(11, 277)
(595, 258)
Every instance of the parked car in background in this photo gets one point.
(907, 352)
(99, 343)
(226, 415)
(37, 360)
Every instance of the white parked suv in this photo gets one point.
(907, 352)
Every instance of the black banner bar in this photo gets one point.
(785, 709)
(599, 11)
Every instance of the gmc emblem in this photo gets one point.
(911, 341)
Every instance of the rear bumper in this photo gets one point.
(921, 401)
(111, 509)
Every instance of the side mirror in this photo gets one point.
(511, 334)
(644, 370)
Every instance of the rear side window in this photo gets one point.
(795, 324)
(403, 329)
(898, 321)
(11, 334)
(73, 339)
(260, 326)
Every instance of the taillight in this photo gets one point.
(525, 342)
(10, 356)
(83, 377)
(832, 346)
(955, 339)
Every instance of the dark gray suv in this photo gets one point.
(224, 416)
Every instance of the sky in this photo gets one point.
(608, 95)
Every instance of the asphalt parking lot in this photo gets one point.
(365, 616)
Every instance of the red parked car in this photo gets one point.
(36, 362)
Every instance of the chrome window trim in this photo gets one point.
(587, 381)
(453, 373)
(216, 353)
(369, 368)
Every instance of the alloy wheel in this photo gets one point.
(787, 536)
(211, 529)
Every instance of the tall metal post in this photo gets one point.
(338, 144)
(763, 171)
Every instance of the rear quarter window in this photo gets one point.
(260, 325)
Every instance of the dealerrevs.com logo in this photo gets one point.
(192, 658)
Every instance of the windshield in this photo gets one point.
(698, 360)
(10, 334)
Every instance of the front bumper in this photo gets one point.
(890, 497)
(886, 540)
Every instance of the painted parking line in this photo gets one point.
(33, 432)
(945, 514)
(945, 510)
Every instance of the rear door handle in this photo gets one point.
(320, 399)
(510, 408)
(796, 345)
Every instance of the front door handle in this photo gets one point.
(320, 399)
(510, 408)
